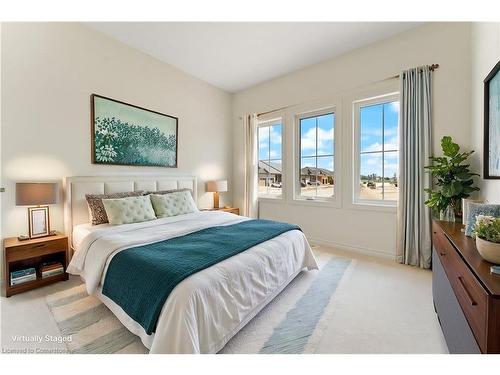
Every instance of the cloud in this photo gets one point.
(395, 106)
(390, 144)
(273, 154)
(264, 133)
(372, 163)
(325, 140)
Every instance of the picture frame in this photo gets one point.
(491, 162)
(126, 134)
(38, 221)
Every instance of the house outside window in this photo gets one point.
(316, 159)
(270, 153)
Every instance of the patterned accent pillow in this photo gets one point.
(173, 204)
(476, 209)
(161, 192)
(96, 208)
(129, 210)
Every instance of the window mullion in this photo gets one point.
(383, 153)
(316, 178)
(269, 162)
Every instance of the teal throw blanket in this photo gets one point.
(140, 279)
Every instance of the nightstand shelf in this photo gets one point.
(32, 253)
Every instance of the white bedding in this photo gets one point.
(206, 309)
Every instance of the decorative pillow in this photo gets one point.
(96, 208)
(161, 192)
(173, 204)
(479, 209)
(129, 210)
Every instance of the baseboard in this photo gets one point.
(354, 249)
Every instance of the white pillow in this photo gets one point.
(173, 204)
(129, 210)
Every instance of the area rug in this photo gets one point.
(294, 322)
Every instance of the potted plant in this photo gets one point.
(487, 232)
(453, 179)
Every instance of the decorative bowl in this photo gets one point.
(490, 251)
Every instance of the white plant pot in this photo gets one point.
(490, 251)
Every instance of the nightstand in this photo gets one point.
(232, 210)
(21, 255)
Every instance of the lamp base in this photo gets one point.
(216, 200)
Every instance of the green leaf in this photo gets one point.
(450, 148)
(464, 176)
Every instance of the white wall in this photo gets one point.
(444, 43)
(49, 71)
(485, 53)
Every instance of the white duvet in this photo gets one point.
(208, 308)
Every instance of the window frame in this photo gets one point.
(356, 107)
(267, 121)
(323, 201)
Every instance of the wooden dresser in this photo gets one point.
(466, 295)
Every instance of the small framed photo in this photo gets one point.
(38, 218)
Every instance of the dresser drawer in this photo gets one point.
(470, 294)
(442, 246)
(36, 249)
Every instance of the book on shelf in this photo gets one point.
(495, 270)
(51, 265)
(51, 269)
(53, 272)
(22, 279)
(21, 273)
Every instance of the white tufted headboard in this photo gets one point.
(75, 188)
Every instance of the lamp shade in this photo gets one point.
(217, 186)
(31, 194)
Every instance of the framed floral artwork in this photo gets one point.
(125, 134)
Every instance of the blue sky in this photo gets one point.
(371, 140)
(270, 150)
(323, 136)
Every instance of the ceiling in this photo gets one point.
(235, 56)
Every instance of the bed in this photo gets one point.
(205, 310)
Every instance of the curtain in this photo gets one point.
(251, 166)
(414, 217)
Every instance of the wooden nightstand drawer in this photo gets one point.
(35, 250)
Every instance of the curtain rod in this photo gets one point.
(276, 110)
(432, 68)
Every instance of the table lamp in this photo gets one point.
(37, 195)
(216, 187)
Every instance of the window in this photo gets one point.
(270, 137)
(317, 156)
(377, 145)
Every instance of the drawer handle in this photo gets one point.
(471, 300)
(442, 254)
(39, 246)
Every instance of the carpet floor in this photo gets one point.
(289, 324)
(361, 305)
